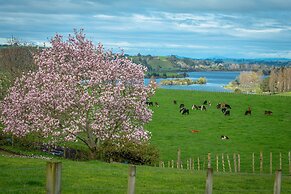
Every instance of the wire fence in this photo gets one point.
(253, 162)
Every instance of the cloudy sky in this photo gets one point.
(190, 28)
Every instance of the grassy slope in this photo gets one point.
(248, 134)
(20, 175)
(161, 64)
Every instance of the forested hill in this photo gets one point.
(174, 63)
(16, 59)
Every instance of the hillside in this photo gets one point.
(174, 63)
(15, 59)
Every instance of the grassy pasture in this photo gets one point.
(248, 134)
(171, 130)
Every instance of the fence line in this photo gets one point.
(226, 162)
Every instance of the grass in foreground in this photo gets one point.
(21, 175)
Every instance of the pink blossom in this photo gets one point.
(79, 89)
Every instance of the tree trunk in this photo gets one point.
(93, 154)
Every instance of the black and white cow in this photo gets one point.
(224, 137)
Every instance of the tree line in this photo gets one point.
(280, 80)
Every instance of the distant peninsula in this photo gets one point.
(186, 81)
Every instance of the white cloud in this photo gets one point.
(256, 33)
(105, 17)
(271, 54)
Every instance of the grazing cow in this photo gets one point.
(224, 137)
(205, 102)
(223, 110)
(182, 105)
(203, 107)
(268, 112)
(227, 106)
(223, 105)
(227, 113)
(196, 107)
(184, 111)
(149, 103)
(175, 102)
(249, 111)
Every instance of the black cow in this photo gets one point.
(249, 111)
(197, 107)
(175, 102)
(149, 103)
(223, 110)
(202, 107)
(218, 106)
(227, 113)
(182, 105)
(227, 106)
(184, 111)
(223, 105)
(268, 112)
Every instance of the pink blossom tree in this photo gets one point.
(80, 92)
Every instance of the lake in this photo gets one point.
(215, 81)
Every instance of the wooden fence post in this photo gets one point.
(238, 162)
(229, 165)
(131, 179)
(217, 163)
(198, 163)
(222, 160)
(190, 163)
(54, 173)
(209, 181)
(179, 158)
(280, 161)
(261, 162)
(253, 163)
(289, 159)
(271, 162)
(172, 163)
(209, 160)
(234, 163)
(277, 183)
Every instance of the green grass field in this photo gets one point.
(170, 131)
(248, 134)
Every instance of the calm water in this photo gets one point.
(215, 81)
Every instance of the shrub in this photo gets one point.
(237, 91)
(131, 153)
